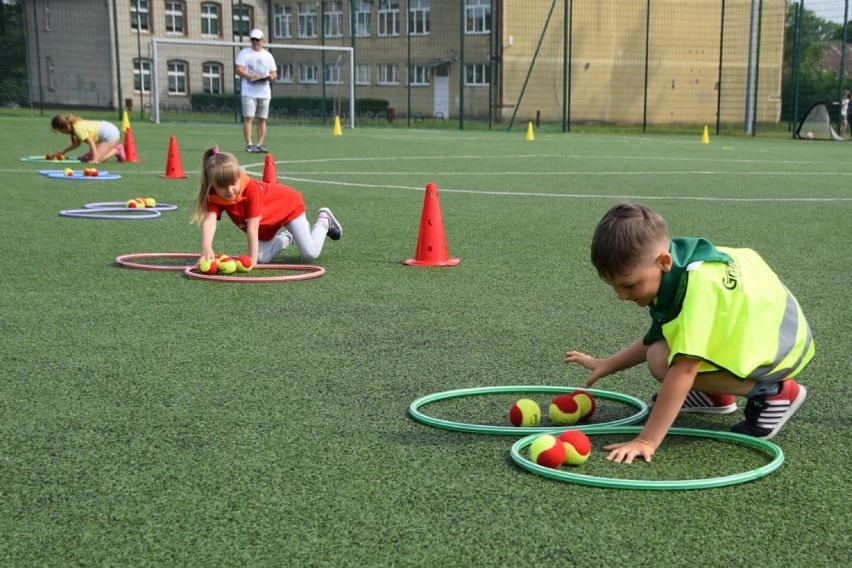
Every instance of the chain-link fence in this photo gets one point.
(736, 65)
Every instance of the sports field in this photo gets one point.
(148, 419)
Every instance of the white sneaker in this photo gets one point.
(335, 230)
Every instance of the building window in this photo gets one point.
(210, 14)
(387, 75)
(331, 75)
(362, 17)
(362, 74)
(242, 21)
(477, 16)
(176, 71)
(142, 75)
(418, 17)
(282, 21)
(307, 20)
(212, 77)
(388, 14)
(418, 76)
(307, 73)
(285, 73)
(332, 19)
(477, 75)
(140, 17)
(175, 17)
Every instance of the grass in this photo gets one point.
(150, 419)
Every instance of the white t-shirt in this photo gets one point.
(256, 62)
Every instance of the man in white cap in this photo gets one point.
(256, 67)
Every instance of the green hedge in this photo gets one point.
(292, 104)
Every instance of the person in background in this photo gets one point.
(256, 67)
(102, 137)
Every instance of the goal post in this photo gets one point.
(182, 67)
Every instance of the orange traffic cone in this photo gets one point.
(431, 242)
(174, 168)
(129, 146)
(269, 174)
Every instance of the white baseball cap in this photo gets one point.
(256, 34)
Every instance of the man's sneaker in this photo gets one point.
(706, 403)
(251, 148)
(765, 415)
(335, 231)
(260, 148)
(119, 153)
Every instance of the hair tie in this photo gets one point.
(215, 150)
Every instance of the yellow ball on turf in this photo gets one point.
(564, 410)
(227, 265)
(525, 412)
(546, 450)
(586, 402)
(243, 263)
(149, 201)
(577, 447)
(208, 266)
(68, 172)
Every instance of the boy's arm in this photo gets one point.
(630, 356)
(675, 387)
(252, 226)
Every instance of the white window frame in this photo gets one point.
(308, 74)
(142, 71)
(477, 17)
(362, 74)
(143, 9)
(386, 74)
(419, 17)
(211, 75)
(175, 12)
(332, 19)
(243, 22)
(363, 16)
(331, 74)
(177, 73)
(214, 18)
(285, 73)
(418, 76)
(388, 18)
(307, 20)
(282, 21)
(481, 75)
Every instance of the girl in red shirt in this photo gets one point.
(259, 209)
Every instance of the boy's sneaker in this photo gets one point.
(765, 415)
(251, 148)
(706, 403)
(119, 153)
(260, 148)
(335, 231)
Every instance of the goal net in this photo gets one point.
(195, 80)
(816, 124)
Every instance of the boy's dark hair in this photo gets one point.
(624, 236)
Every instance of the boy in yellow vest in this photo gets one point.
(723, 324)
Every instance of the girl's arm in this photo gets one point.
(208, 229)
(93, 147)
(252, 226)
(74, 144)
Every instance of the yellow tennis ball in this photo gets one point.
(149, 201)
(227, 265)
(243, 263)
(68, 172)
(208, 266)
(525, 412)
(586, 402)
(564, 410)
(546, 450)
(577, 447)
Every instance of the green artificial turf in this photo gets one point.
(147, 419)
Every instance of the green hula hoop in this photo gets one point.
(416, 414)
(707, 483)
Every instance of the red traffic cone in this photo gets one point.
(431, 242)
(129, 147)
(174, 168)
(269, 174)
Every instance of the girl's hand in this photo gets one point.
(207, 255)
(596, 366)
(626, 451)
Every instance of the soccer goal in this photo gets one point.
(314, 82)
(816, 124)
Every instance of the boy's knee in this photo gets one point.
(657, 357)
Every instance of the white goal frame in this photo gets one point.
(155, 71)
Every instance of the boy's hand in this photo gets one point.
(587, 361)
(626, 451)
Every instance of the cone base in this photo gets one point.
(174, 177)
(415, 262)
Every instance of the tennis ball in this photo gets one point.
(227, 265)
(69, 172)
(243, 263)
(525, 412)
(564, 410)
(208, 266)
(136, 203)
(577, 447)
(546, 450)
(586, 402)
(149, 201)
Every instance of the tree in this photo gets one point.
(13, 58)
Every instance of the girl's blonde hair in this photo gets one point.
(218, 169)
(64, 123)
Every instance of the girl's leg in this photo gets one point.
(308, 239)
(106, 149)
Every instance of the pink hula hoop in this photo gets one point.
(126, 260)
(312, 272)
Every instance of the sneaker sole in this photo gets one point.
(716, 410)
(794, 406)
(333, 221)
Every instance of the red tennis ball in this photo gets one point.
(207, 266)
(546, 450)
(586, 402)
(525, 412)
(227, 265)
(577, 447)
(564, 410)
(243, 263)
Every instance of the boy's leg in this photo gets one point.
(765, 414)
